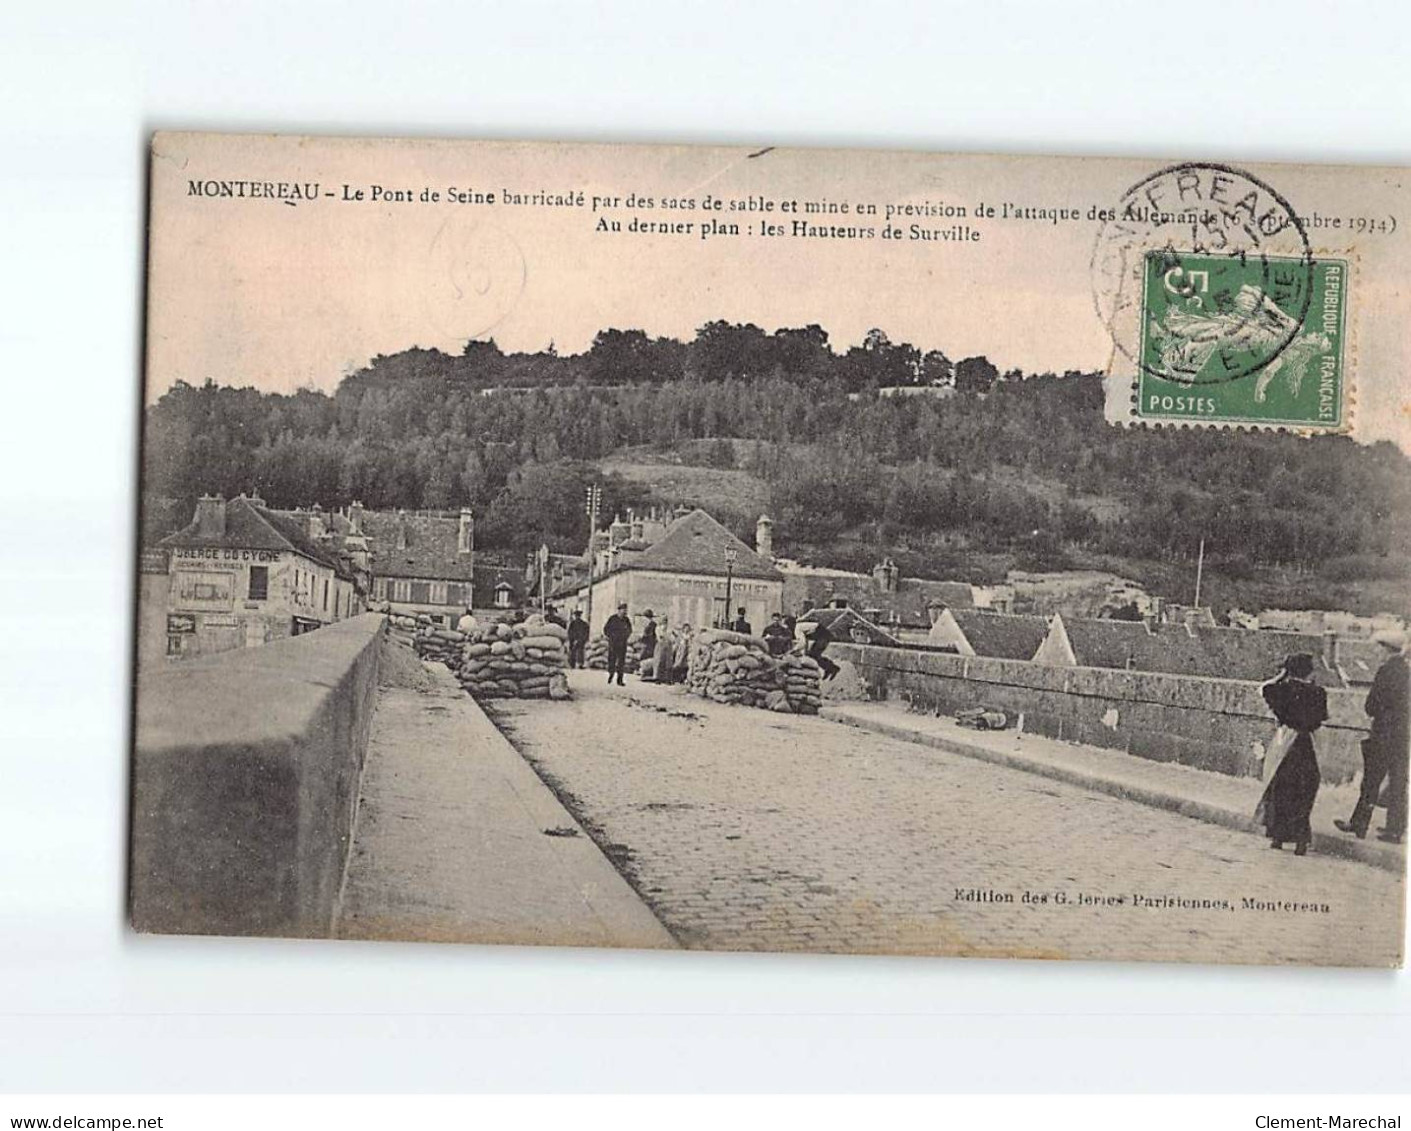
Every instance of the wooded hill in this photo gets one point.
(996, 469)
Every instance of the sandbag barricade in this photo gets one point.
(595, 655)
(729, 667)
(521, 661)
(403, 628)
(443, 644)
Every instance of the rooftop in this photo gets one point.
(695, 543)
(249, 525)
(1003, 636)
(1221, 653)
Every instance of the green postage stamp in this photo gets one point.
(1242, 339)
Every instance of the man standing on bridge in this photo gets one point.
(618, 630)
(1385, 749)
(577, 639)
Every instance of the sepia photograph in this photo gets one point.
(787, 550)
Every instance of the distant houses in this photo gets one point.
(884, 597)
(1194, 648)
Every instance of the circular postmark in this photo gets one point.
(1202, 274)
(475, 273)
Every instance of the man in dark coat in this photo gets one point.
(1385, 749)
(777, 636)
(819, 640)
(618, 630)
(577, 639)
(741, 625)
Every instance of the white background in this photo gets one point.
(84, 1004)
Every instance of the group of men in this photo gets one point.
(664, 653)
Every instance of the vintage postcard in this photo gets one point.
(780, 550)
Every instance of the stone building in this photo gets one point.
(240, 575)
(422, 562)
(679, 570)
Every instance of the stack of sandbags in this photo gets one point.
(595, 653)
(521, 661)
(402, 628)
(432, 642)
(729, 667)
(803, 683)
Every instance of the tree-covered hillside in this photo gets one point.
(1020, 466)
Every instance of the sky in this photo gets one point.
(288, 293)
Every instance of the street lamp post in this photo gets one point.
(730, 555)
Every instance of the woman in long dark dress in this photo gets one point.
(1302, 706)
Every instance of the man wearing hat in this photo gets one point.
(648, 640)
(618, 630)
(1385, 751)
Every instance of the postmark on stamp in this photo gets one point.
(1240, 340)
(1206, 283)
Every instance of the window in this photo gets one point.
(421, 592)
(325, 594)
(502, 596)
(438, 592)
(259, 583)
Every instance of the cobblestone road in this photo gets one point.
(748, 830)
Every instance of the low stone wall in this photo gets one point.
(1212, 724)
(245, 777)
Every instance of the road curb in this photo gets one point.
(1386, 858)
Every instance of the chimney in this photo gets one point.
(401, 529)
(764, 537)
(317, 529)
(618, 532)
(465, 533)
(255, 498)
(355, 518)
(210, 516)
(885, 573)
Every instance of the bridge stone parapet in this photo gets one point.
(1211, 724)
(245, 779)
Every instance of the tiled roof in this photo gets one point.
(1219, 653)
(430, 551)
(848, 624)
(1004, 636)
(249, 526)
(696, 543)
(908, 606)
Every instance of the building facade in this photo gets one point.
(685, 574)
(240, 575)
(421, 562)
